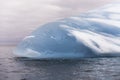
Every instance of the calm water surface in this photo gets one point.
(12, 68)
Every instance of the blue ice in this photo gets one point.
(92, 34)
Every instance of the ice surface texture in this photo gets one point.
(92, 34)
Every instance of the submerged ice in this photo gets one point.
(92, 34)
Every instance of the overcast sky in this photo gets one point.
(20, 17)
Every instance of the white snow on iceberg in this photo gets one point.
(92, 34)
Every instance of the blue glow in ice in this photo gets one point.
(92, 34)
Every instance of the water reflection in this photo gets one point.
(92, 69)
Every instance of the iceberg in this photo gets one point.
(95, 33)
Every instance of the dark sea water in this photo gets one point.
(12, 68)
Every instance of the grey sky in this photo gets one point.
(20, 17)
